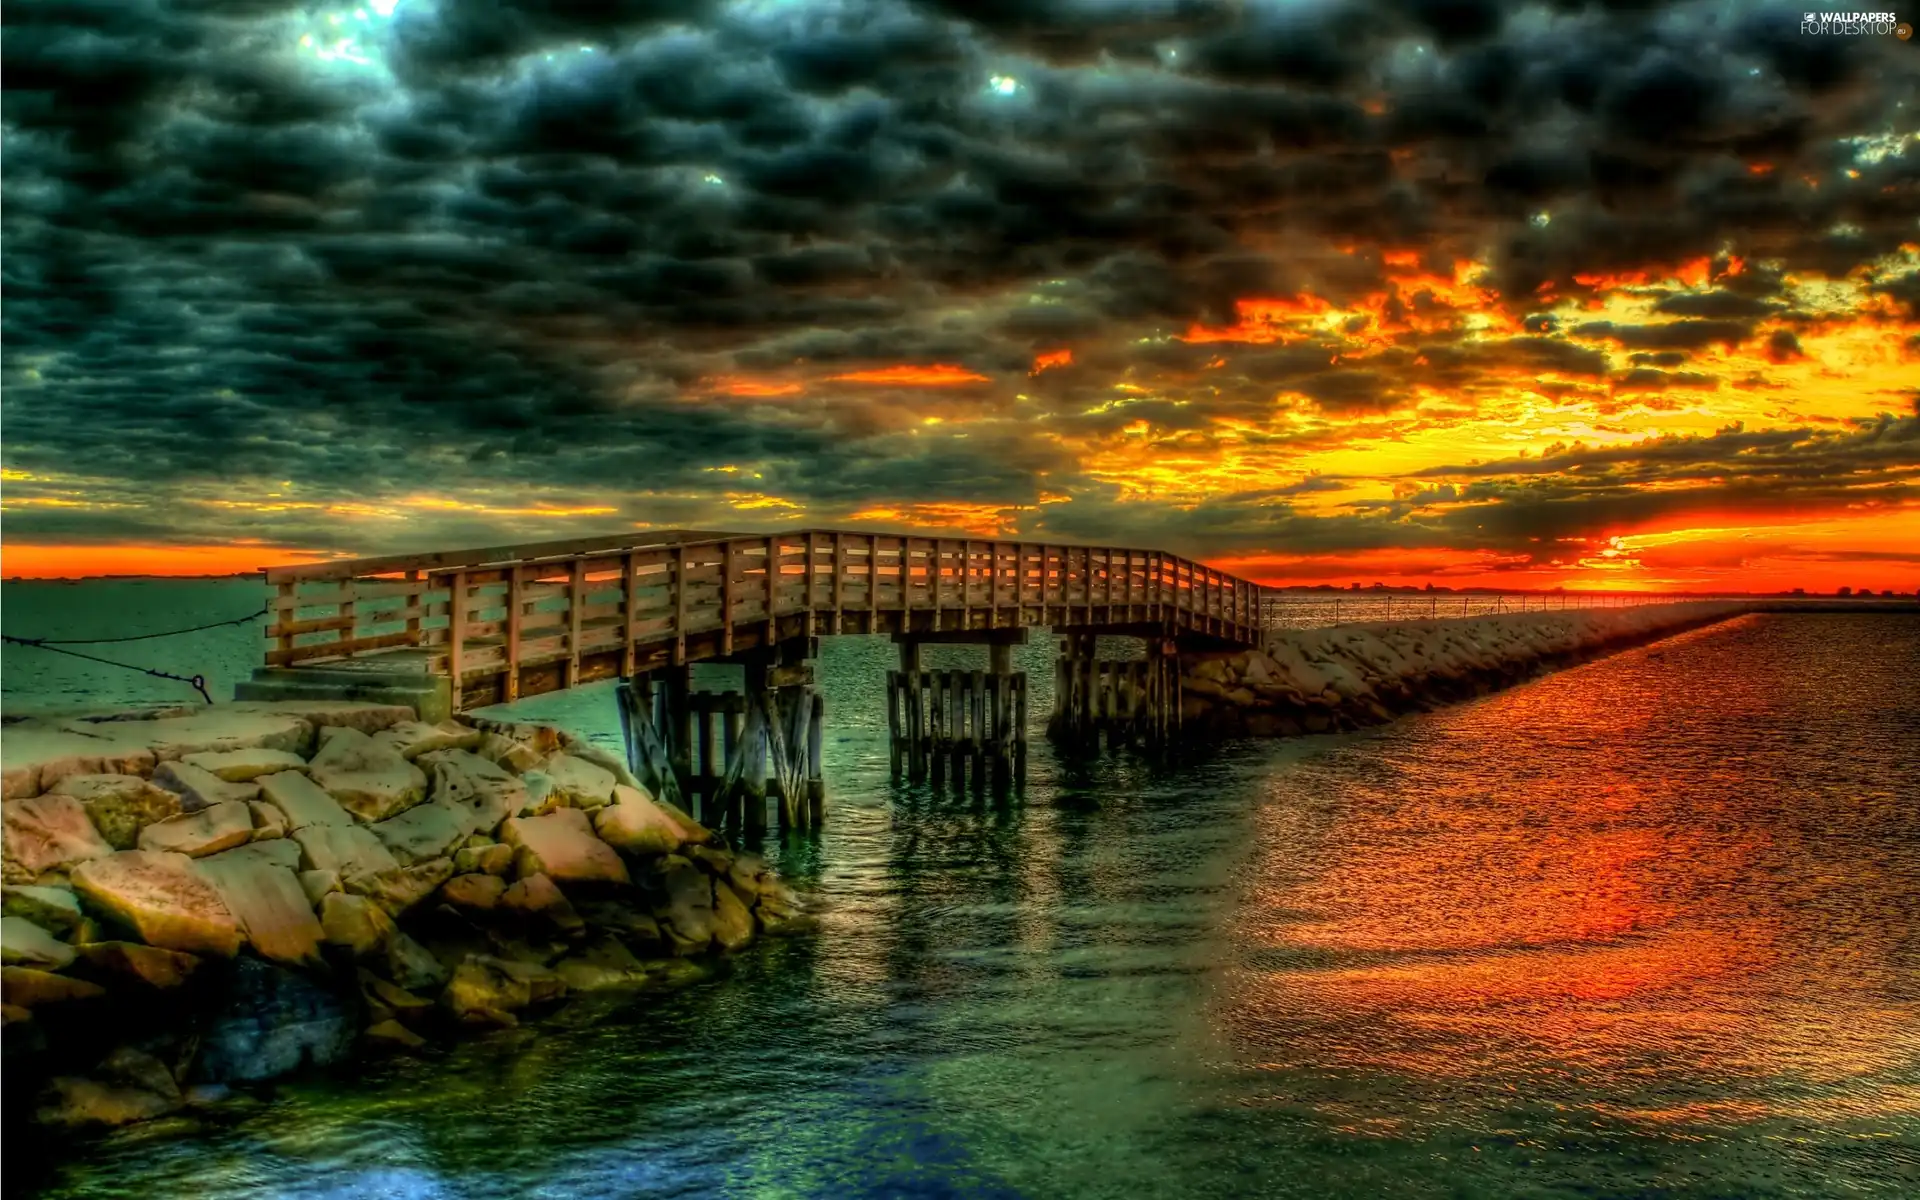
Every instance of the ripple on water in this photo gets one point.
(1643, 928)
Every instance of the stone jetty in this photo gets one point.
(1347, 676)
(208, 897)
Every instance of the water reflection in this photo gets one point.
(1642, 928)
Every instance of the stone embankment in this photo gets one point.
(1347, 676)
(201, 898)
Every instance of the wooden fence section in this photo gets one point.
(518, 621)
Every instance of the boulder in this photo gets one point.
(162, 899)
(541, 798)
(132, 962)
(579, 782)
(244, 766)
(271, 907)
(430, 830)
(605, 965)
(491, 791)
(47, 833)
(514, 755)
(391, 1037)
(492, 859)
(322, 715)
(268, 821)
(539, 896)
(343, 849)
(319, 884)
(273, 1021)
(414, 738)
(732, 921)
(222, 727)
(562, 846)
(199, 788)
(36, 755)
(633, 927)
(370, 780)
(686, 920)
(487, 991)
(399, 888)
(31, 988)
(279, 852)
(120, 805)
(411, 965)
(480, 893)
(394, 998)
(210, 830)
(302, 801)
(55, 909)
(634, 824)
(24, 944)
(127, 1086)
(355, 923)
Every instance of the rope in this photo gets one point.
(197, 682)
(139, 637)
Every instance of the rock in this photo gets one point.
(613, 764)
(356, 923)
(270, 905)
(690, 830)
(391, 1036)
(47, 833)
(687, 919)
(303, 802)
(399, 888)
(13, 1014)
(24, 944)
(55, 909)
(222, 727)
(36, 755)
(606, 965)
(541, 798)
(273, 1021)
(199, 788)
(539, 896)
(634, 824)
(579, 782)
(347, 850)
(210, 830)
(732, 922)
(515, 756)
(635, 928)
(162, 899)
(130, 1086)
(318, 885)
(414, 738)
(562, 846)
(150, 966)
(243, 766)
(268, 821)
(484, 992)
(323, 715)
(394, 998)
(480, 893)
(120, 805)
(493, 859)
(430, 830)
(370, 780)
(489, 791)
(410, 965)
(31, 988)
(278, 852)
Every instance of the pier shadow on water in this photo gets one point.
(1642, 928)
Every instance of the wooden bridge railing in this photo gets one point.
(519, 620)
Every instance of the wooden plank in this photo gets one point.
(839, 578)
(497, 556)
(516, 615)
(726, 601)
(456, 631)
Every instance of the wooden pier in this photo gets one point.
(454, 631)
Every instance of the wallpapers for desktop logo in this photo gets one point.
(1854, 24)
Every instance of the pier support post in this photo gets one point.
(1131, 701)
(943, 724)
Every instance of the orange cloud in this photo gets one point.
(19, 561)
(937, 375)
(1052, 358)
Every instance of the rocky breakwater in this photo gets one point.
(201, 899)
(1346, 676)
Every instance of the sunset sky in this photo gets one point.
(1587, 295)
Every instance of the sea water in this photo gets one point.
(1646, 927)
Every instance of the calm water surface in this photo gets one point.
(1644, 928)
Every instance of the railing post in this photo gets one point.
(628, 613)
(576, 600)
(680, 606)
(773, 594)
(456, 634)
(839, 576)
(726, 599)
(511, 687)
(413, 608)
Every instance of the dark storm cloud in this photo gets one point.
(518, 239)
